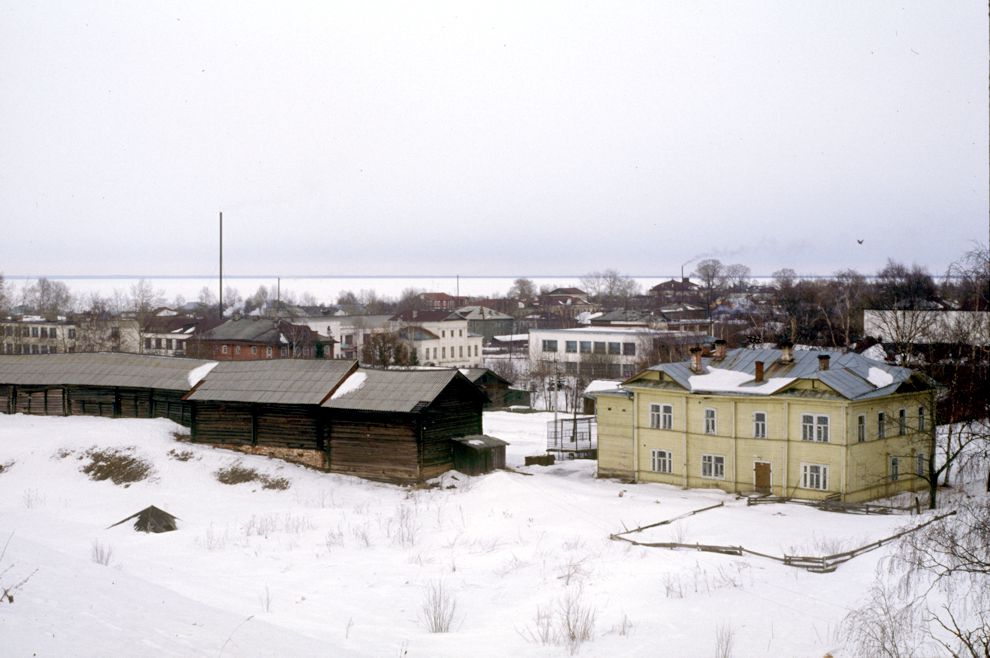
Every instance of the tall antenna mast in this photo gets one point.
(221, 266)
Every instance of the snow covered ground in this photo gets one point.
(338, 566)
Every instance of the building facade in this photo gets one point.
(797, 424)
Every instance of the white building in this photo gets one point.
(439, 338)
(601, 351)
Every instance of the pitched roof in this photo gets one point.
(280, 381)
(103, 369)
(849, 374)
(481, 313)
(415, 315)
(397, 390)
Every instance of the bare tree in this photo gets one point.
(384, 349)
(144, 298)
(523, 289)
(4, 298)
(737, 277)
(47, 297)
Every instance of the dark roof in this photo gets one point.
(396, 390)
(413, 315)
(576, 292)
(416, 333)
(849, 374)
(481, 313)
(281, 381)
(255, 330)
(103, 369)
(474, 374)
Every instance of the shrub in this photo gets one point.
(438, 608)
(181, 455)
(236, 473)
(115, 464)
(101, 553)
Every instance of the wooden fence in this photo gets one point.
(816, 564)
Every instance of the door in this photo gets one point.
(761, 476)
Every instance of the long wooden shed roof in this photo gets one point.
(111, 369)
(281, 381)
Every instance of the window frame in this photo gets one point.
(759, 426)
(861, 428)
(814, 479)
(711, 420)
(661, 461)
(902, 422)
(712, 466)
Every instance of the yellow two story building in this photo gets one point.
(802, 424)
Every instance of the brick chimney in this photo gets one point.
(786, 352)
(823, 361)
(759, 372)
(720, 346)
(695, 359)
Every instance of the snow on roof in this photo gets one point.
(879, 377)
(729, 381)
(602, 385)
(353, 383)
(196, 375)
(875, 353)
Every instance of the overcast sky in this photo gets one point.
(534, 138)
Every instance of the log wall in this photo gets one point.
(92, 401)
(375, 445)
(38, 400)
(226, 422)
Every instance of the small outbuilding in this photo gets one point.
(477, 454)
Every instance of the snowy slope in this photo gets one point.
(339, 566)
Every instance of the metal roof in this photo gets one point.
(281, 381)
(851, 375)
(402, 391)
(479, 442)
(101, 369)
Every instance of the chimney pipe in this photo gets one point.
(759, 371)
(720, 346)
(695, 359)
(823, 361)
(786, 352)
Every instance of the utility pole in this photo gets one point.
(221, 266)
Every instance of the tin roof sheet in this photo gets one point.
(281, 381)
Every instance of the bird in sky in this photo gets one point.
(859, 241)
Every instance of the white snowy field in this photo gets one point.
(338, 566)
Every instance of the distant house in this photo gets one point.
(249, 339)
(791, 423)
(350, 332)
(440, 338)
(495, 386)
(440, 301)
(676, 291)
(166, 334)
(566, 302)
(107, 384)
(36, 334)
(486, 322)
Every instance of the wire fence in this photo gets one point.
(813, 563)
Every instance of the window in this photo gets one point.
(920, 466)
(661, 461)
(443, 333)
(283, 351)
(34, 349)
(881, 422)
(895, 469)
(460, 333)
(861, 428)
(237, 349)
(921, 419)
(115, 333)
(759, 424)
(254, 349)
(44, 332)
(710, 427)
(72, 333)
(585, 346)
(667, 417)
(655, 416)
(570, 347)
(224, 349)
(814, 428)
(902, 422)
(168, 343)
(158, 343)
(599, 347)
(476, 350)
(268, 351)
(629, 349)
(615, 348)
(814, 476)
(460, 351)
(549, 346)
(34, 332)
(53, 332)
(713, 466)
(147, 343)
(434, 354)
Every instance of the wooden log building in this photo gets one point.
(111, 384)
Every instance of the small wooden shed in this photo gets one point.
(494, 385)
(477, 454)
